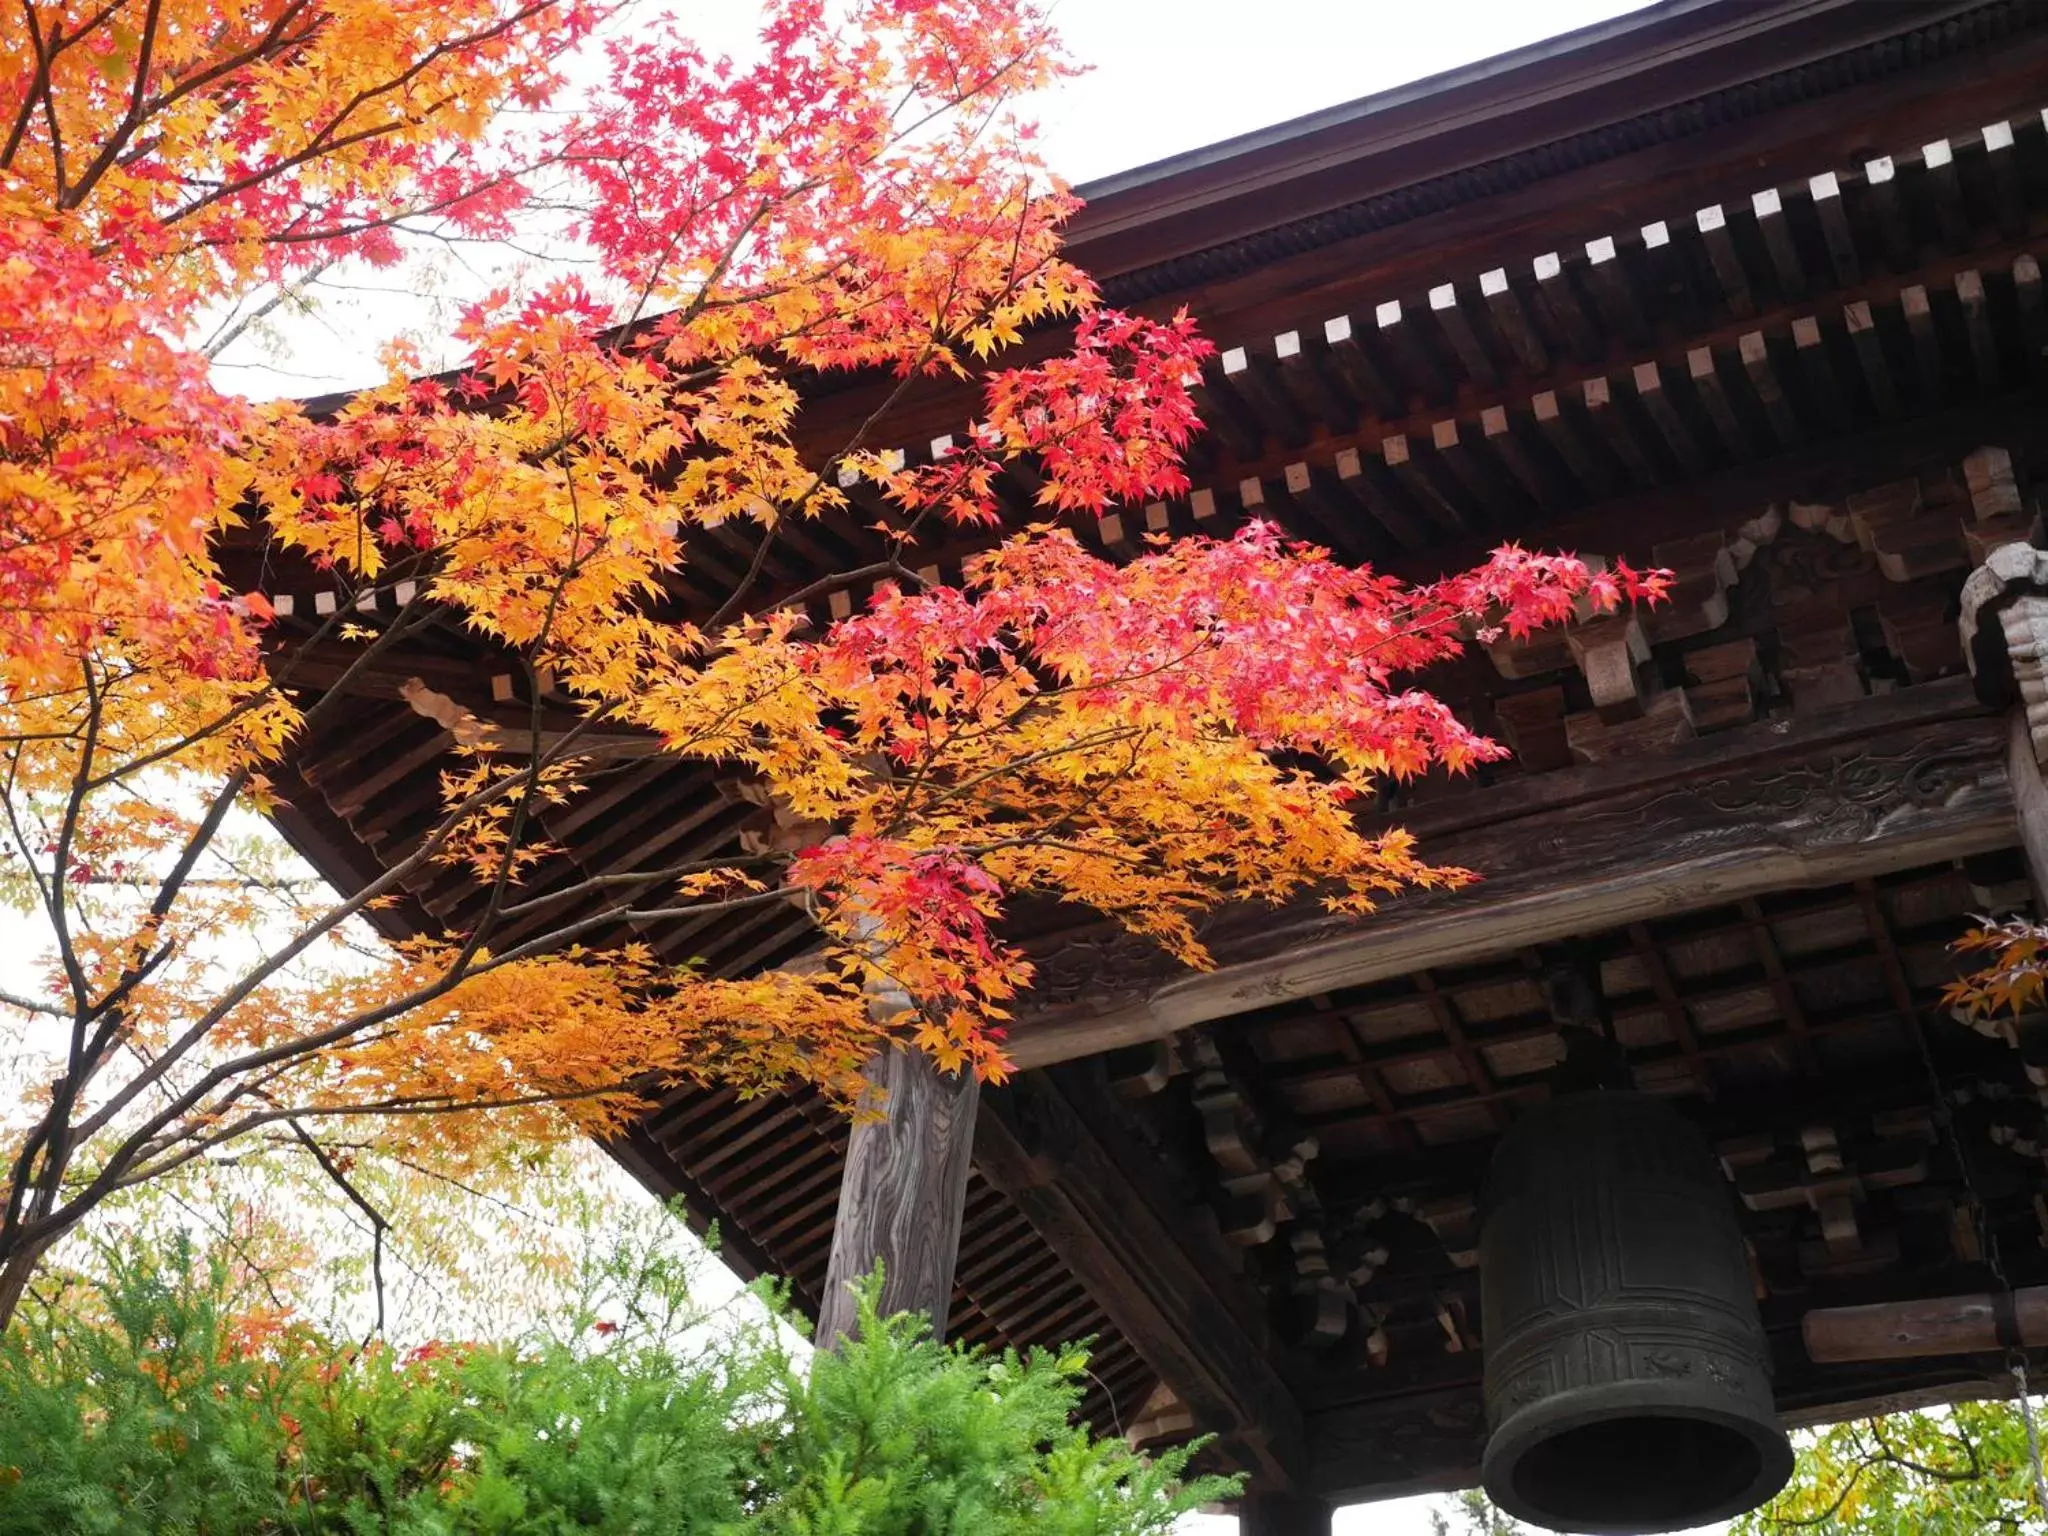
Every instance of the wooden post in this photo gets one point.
(902, 1194)
(2030, 802)
(2004, 626)
(1282, 1514)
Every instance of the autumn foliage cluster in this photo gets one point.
(1146, 739)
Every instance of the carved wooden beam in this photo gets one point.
(1084, 1185)
(1857, 790)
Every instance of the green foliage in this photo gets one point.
(1955, 1471)
(1476, 1516)
(145, 1400)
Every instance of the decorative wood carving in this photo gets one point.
(1412, 1444)
(1868, 787)
(1265, 1194)
(2004, 624)
(1102, 966)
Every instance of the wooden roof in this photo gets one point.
(1741, 289)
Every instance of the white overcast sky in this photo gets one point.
(1165, 76)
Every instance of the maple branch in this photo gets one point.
(60, 863)
(38, 86)
(379, 1223)
(252, 980)
(327, 138)
(111, 150)
(31, 1005)
(227, 334)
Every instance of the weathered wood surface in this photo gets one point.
(2030, 806)
(1911, 1330)
(1282, 1514)
(1139, 1256)
(901, 1197)
(1855, 791)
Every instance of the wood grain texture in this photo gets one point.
(2030, 805)
(1856, 791)
(1282, 1514)
(1146, 1263)
(902, 1192)
(1909, 1330)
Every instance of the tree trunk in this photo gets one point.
(16, 1271)
(902, 1194)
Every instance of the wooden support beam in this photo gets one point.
(1649, 383)
(1511, 321)
(1613, 293)
(903, 1192)
(1616, 431)
(1457, 330)
(2026, 287)
(2002, 168)
(1225, 414)
(1763, 379)
(1835, 231)
(1881, 197)
(1309, 385)
(1779, 245)
(1706, 383)
(1409, 353)
(1567, 317)
(1507, 445)
(1887, 782)
(1479, 480)
(1910, 1330)
(1097, 1201)
(1919, 313)
(1870, 359)
(1360, 479)
(1712, 223)
(1423, 1441)
(1330, 508)
(1256, 381)
(1811, 348)
(1668, 277)
(1945, 191)
(1790, 1009)
(1349, 360)
(1438, 501)
(1570, 444)
(1977, 326)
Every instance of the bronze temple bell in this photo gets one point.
(1627, 1374)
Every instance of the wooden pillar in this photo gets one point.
(1282, 1514)
(2030, 803)
(2004, 622)
(902, 1194)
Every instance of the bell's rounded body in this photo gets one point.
(1627, 1374)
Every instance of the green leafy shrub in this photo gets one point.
(146, 1401)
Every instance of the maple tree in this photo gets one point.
(1968, 1467)
(1150, 738)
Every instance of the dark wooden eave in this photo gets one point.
(1659, 75)
(1773, 963)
